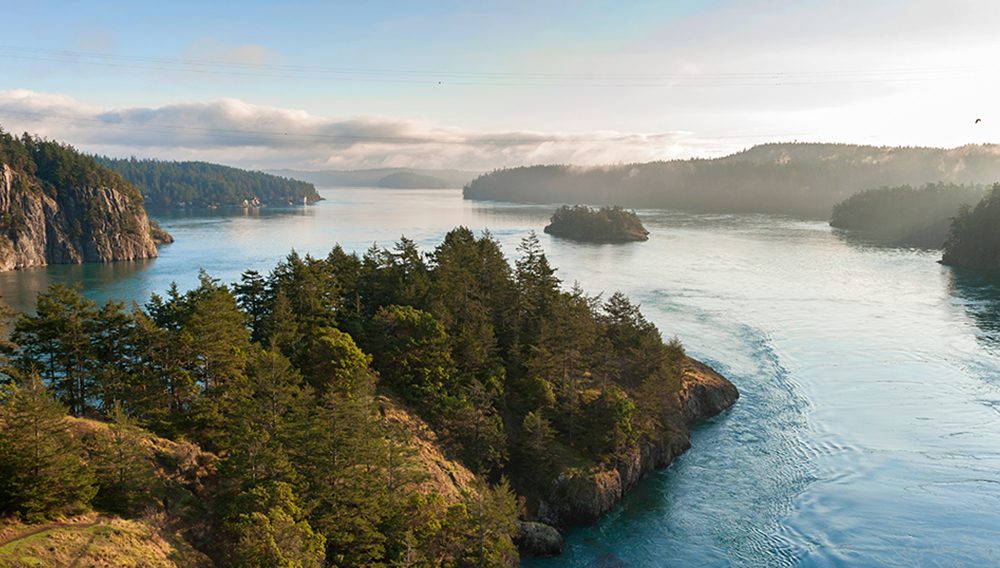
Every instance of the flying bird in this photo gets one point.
(978, 120)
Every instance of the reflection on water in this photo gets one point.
(979, 294)
(864, 241)
(869, 428)
(19, 288)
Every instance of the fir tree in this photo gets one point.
(44, 474)
(122, 462)
(269, 530)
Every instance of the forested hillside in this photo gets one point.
(332, 389)
(974, 238)
(200, 184)
(794, 179)
(906, 215)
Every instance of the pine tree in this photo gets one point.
(116, 356)
(56, 344)
(341, 457)
(269, 529)
(329, 359)
(218, 328)
(412, 355)
(43, 473)
(123, 465)
(252, 297)
(492, 514)
(262, 414)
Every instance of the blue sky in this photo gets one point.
(442, 84)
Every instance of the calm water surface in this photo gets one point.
(869, 428)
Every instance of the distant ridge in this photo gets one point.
(801, 179)
(169, 184)
(396, 178)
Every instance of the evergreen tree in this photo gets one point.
(492, 514)
(56, 344)
(269, 529)
(460, 304)
(43, 473)
(252, 297)
(537, 288)
(165, 386)
(330, 359)
(262, 413)
(218, 331)
(122, 462)
(412, 355)
(473, 425)
(535, 449)
(116, 356)
(341, 458)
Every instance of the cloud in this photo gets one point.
(240, 133)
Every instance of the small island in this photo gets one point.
(604, 225)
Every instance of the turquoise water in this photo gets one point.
(869, 428)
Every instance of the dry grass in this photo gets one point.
(95, 541)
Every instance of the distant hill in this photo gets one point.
(411, 180)
(201, 184)
(396, 178)
(802, 179)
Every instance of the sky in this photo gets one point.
(478, 85)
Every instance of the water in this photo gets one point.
(869, 428)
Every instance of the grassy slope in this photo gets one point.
(92, 540)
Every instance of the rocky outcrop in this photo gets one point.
(579, 497)
(68, 225)
(538, 539)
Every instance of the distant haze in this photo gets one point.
(392, 178)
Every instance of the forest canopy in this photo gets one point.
(201, 184)
(59, 165)
(288, 377)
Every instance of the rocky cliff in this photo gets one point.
(583, 497)
(43, 224)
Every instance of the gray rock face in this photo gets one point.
(582, 498)
(538, 539)
(75, 225)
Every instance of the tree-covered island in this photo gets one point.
(604, 225)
